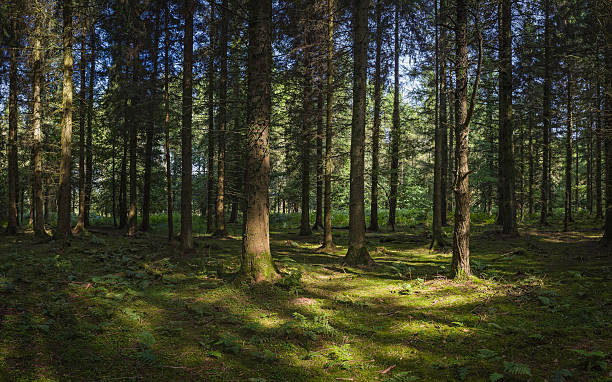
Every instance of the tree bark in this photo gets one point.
(211, 123)
(443, 119)
(222, 119)
(606, 22)
(598, 140)
(546, 115)
(63, 195)
(37, 191)
(89, 138)
(133, 139)
(169, 207)
(437, 240)
(12, 224)
(150, 133)
(531, 123)
(568, 155)
(306, 132)
(357, 253)
(395, 128)
(82, 119)
(186, 187)
(257, 265)
(506, 128)
(319, 209)
(328, 242)
(461, 239)
(376, 125)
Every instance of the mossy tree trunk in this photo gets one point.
(257, 265)
(357, 253)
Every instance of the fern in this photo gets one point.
(560, 375)
(402, 377)
(495, 377)
(516, 368)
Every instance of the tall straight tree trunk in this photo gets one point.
(328, 242)
(211, 123)
(133, 139)
(186, 188)
(506, 129)
(395, 128)
(461, 239)
(82, 119)
(452, 167)
(357, 253)
(150, 135)
(376, 125)
(319, 209)
(589, 163)
(546, 115)
(306, 133)
(89, 138)
(123, 176)
(257, 265)
(13, 175)
(443, 119)
(531, 162)
(37, 192)
(63, 194)
(169, 207)
(113, 186)
(568, 155)
(576, 172)
(598, 140)
(437, 241)
(222, 118)
(606, 22)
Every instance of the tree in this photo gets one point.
(167, 122)
(376, 124)
(506, 130)
(13, 175)
(328, 242)
(395, 129)
(438, 196)
(256, 264)
(357, 253)
(37, 191)
(211, 122)
(186, 149)
(546, 115)
(62, 230)
(606, 23)
(222, 120)
(82, 119)
(306, 127)
(461, 235)
(89, 139)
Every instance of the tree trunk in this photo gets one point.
(319, 211)
(186, 189)
(598, 140)
(376, 125)
(395, 128)
(63, 194)
(167, 123)
(531, 162)
(13, 169)
(82, 119)
(89, 138)
(568, 155)
(461, 238)
(452, 167)
(211, 123)
(546, 115)
(306, 134)
(257, 265)
(443, 120)
(37, 192)
(222, 117)
(606, 22)
(437, 241)
(328, 242)
(133, 135)
(357, 253)
(506, 129)
(114, 188)
(150, 134)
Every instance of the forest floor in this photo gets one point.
(107, 308)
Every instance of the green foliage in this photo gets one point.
(592, 359)
(403, 376)
(339, 356)
(229, 343)
(291, 282)
(560, 375)
(516, 368)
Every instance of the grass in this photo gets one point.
(109, 308)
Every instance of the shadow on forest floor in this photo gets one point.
(106, 307)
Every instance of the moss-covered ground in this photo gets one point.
(105, 307)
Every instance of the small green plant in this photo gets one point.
(516, 368)
(592, 359)
(229, 343)
(404, 376)
(144, 348)
(291, 282)
(339, 356)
